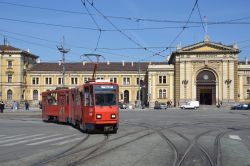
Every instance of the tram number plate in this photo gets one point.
(108, 128)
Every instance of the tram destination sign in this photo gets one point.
(105, 88)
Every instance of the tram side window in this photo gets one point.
(52, 99)
(91, 102)
(86, 96)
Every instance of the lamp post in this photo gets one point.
(63, 51)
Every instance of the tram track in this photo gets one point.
(71, 151)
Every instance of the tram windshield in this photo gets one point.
(105, 99)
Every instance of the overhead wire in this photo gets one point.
(77, 46)
(95, 22)
(202, 23)
(93, 29)
(134, 19)
(182, 30)
(119, 30)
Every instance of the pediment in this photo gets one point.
(207, 47)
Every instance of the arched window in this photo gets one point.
(164, 94)
(9, 94)
(35, 95)
(160, 93)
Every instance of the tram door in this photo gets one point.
(88, 110)
(62, 105)
(44, 106)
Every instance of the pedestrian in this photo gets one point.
(40, 104)
(26, 105)
(14, 106)
(1, 106)
(168, 104)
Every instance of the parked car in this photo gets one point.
(161, 106)
(191, 105)
(122, 106)
(240, 107)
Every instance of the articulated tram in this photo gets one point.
(90, 107)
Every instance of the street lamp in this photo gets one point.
(63, 51)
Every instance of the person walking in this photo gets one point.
(26, 105)
(14, 106)
(1, 106)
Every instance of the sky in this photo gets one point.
(129, 30)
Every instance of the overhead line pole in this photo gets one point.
(63, 51)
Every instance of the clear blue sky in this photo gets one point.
(42, 39)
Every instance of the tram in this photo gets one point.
(90, 107)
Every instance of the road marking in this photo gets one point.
(51, 140)
(236, 137)
(20, 138)
(29, 140)
(67, 141)
(13, 136)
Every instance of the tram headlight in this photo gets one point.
(113, 116)
(98, 116)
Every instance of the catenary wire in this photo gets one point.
(95, 22)
(135, 19)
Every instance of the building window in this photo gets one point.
(160, 93)
(248, 80)
(60, 81)
(35, 80)
(9, 78)
(48, 80)
(126, 81)
(74, 81)
(162, 79)
(164, 94)
(113, 79)
(10, 64)
(35, 95)
(99, 78)
(9, 94)
(248, 94)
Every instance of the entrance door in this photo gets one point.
(206, 96)
(206, 88)
(126, 96)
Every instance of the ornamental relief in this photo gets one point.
(215, 65)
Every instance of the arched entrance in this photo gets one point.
(126, 96)
(206, 88)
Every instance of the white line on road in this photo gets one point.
(68, 141)
(51, 140)
(29, 140)
(20, 138)
(234, 137)
(13, 136)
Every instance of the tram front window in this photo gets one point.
(105, 99)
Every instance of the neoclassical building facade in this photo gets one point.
(206, 71)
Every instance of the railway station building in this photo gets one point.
(207, 71)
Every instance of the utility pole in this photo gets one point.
(63, 51)
(139, 84)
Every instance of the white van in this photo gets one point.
(191, 105)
